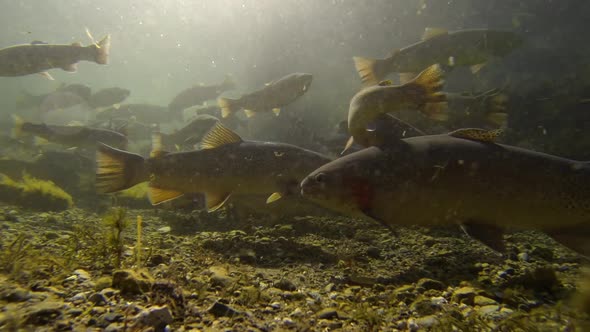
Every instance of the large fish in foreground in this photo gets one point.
(471, 48)
(272, 97)
(225, 165)
(20, 60)
(461, 178)
(368, 104)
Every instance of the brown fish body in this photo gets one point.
(78, 136)
(441, 179)
(190, 134)
(20, 60)
(274, 95)
(198, 94)
(107, 97)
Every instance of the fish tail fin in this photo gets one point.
(427, 89)
(103, 48)
(17, 130)
(228, 106)
(369, 70)
(118, 170)
(228, 82)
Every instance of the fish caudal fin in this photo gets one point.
(118, 170)
(103, 48)
(228, 106)
(427, 89)
(366, 69)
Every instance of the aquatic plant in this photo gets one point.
(116, 222)
(34, 193)
(14, 255)
(138, 243)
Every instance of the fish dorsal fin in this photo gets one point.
(219, 135)
(433, 32)
(161, 195)
(157, 147)
(386, 83)
(476, 134)
(215, 200)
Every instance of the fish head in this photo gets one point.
(302, 82)
(344, 185)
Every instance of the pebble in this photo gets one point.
(427, 283)
(488, 309)
(132, 282)
(276, 305)
(98, 299)
(286, 285)
(219, 309)
(157, 317)
(219, 276)
(297, 313)
(464, 294)
(426, 321)
(327, 313)
(43, 313)
(16, 294)
(523, 257)
(483, 301)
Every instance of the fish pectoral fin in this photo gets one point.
(249, 113)
(276, 111)
(477, 134)
(219, 135)
(215, 200)
(490, 235)
(349, 143)
(433, 32)
(576, 238)
(274, 197)
(157, 146)
(47, 75)
(70, 68)
(161, 195)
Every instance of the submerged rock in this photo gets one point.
(132, 282)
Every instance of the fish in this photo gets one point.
(28, 100)
(26, 59)
(69, 136)
(198, 94)
(190, 134)
(224, 165)
(464, 178)
(108, 97)
(484, 109)
(370, 102)
(232, 121)
(60, 100)
(146, 113)
(272, 97)
(473, 48)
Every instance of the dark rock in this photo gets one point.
(158, 259)
(464, 295)
(374, 252)
(327, 313)
(424, 306)
(219, 309)
(43, 313)
(219, 276)
(15, 295)
(97, 299)
(427, 283)
(286, 285)
(108, 318)
(132, 282)
(543, 253)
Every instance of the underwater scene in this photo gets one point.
(295, 165)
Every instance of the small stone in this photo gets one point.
(219, 276)
(115, 327)
(523, 257)
(164, 230)
(158, 259)
(288, 322)
(327, 313)
(488, 309)
(219, 309)
(74, 312)
(374, 252)
(16, 294)
(286, 285)
(276, 305)
(132, 282)
(80, 297)
(98, 299)
(423, 306)
(426, 321)
(483, 301)
(82, 275)
(464, 295)
(543, 253)
(297, 313)
(102, 283)
(156, 317)
(109, 292)
(43, 313)
(427, 283)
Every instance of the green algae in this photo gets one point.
(34, 194)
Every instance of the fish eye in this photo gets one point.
(320, 178)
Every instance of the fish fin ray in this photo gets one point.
(228, 106)
(162, 195)
(219, 135)
(117, 169)
(475, 69)
(249, 113)
(406, 77)
(47, 75)
(274, 197)
(103, 48)
(349, 143)
(215, 200)
(427, 87)
(157, 145)
(366, 70)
